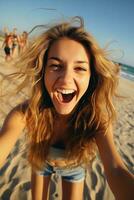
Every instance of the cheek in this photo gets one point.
(47, 82)
(84, 83)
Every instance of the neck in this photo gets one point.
(65, 119)
(61, 118)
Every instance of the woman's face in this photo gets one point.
(67, 74)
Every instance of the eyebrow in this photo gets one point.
(60, 60)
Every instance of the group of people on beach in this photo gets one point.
(14, 43)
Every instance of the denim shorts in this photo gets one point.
(73, 174)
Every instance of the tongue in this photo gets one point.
(65, 98)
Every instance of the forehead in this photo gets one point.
(69, 49)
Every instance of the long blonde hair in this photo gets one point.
(95, 111)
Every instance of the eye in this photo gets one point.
(80, 69)
(55, 67)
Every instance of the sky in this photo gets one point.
(109, 21)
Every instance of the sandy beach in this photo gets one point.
(15, 173)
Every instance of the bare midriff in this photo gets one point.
(60, 162)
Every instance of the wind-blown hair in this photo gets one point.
(95, 111)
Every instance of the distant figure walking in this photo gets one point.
(15, 42)
(23, 41)
(5, 31)
(7, 45)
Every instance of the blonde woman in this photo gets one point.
(69, 112)
(23, 41)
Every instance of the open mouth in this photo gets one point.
(65, 96)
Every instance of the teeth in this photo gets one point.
(63, 91)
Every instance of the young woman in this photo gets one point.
(69, 112)
(23, 41)
(7, 45)
(15, 43)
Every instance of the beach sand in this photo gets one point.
(15, 173)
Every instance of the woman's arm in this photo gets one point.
(10, 131)
(120, 180)
(3, 44)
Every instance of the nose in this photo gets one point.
(66, 76)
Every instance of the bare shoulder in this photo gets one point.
(12, 127)
(107, 137)
(15, 119)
